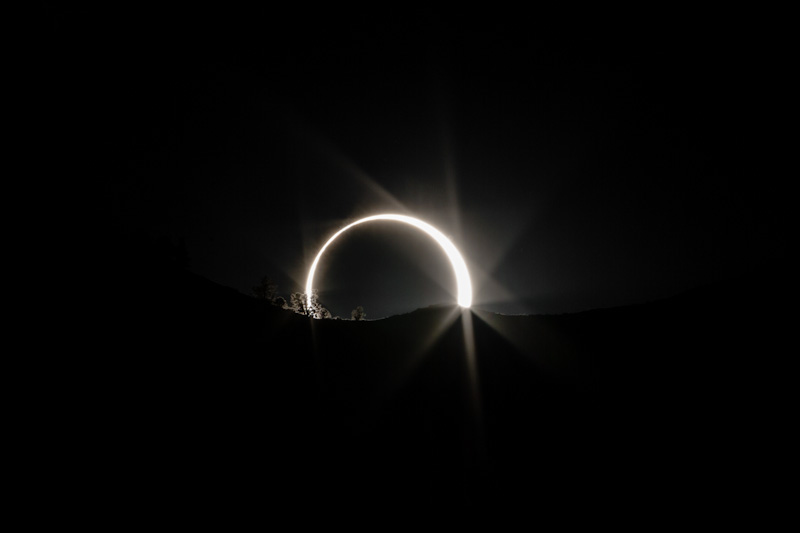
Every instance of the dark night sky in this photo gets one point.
(575, 164)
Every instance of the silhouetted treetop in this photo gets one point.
(358, 313)
(265, 290)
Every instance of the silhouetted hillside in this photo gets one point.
(199, 392)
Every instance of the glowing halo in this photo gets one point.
(459, 266)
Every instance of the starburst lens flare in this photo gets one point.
(459, 266)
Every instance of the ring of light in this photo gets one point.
(459, 266)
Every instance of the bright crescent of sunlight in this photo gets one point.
(459, 266)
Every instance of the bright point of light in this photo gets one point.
(459, 266)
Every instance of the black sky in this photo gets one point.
(576, 164)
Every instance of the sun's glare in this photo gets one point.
(463, 281)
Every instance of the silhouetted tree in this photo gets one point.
(358, 313)
(280, 301)
(265, 290)
(298, 303)
(317, 310)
